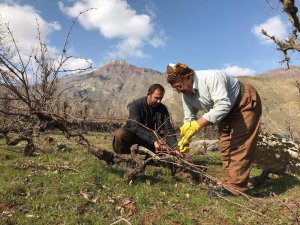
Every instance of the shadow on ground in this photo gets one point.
(274, 185)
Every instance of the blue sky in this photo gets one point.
(203, 34)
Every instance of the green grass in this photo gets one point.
(75, 187)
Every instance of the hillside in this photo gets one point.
(292, 72)
(281, 103)
(106, 91)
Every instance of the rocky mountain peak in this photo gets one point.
(117, 62)
(121, 66)
(118, 66)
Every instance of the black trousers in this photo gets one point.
(123, 140)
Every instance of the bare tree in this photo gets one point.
(28, 87)
(292, 42)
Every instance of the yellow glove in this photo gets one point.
(184, 142)
(189, 129)
(183, 148)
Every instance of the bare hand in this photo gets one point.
(161, 147)
(178, 153)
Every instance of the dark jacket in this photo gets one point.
(155, 118)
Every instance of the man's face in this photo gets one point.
(155, 98)
(184, 86)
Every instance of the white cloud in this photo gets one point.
(77, 63)
(274, 26)
(55, 25)
(237, 71)
(128, 47)
(23, 22)
(116, 19)
(159, 40)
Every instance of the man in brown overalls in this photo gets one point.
(235, 108)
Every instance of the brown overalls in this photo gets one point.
(238, 138)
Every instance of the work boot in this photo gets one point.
(220, 192)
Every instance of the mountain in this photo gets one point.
(281, 103)
(292, 72)
(106, 91)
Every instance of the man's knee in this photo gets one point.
(120, 141)
(119, 133)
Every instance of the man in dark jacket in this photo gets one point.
(148, 122)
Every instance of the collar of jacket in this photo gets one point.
(195, 83)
